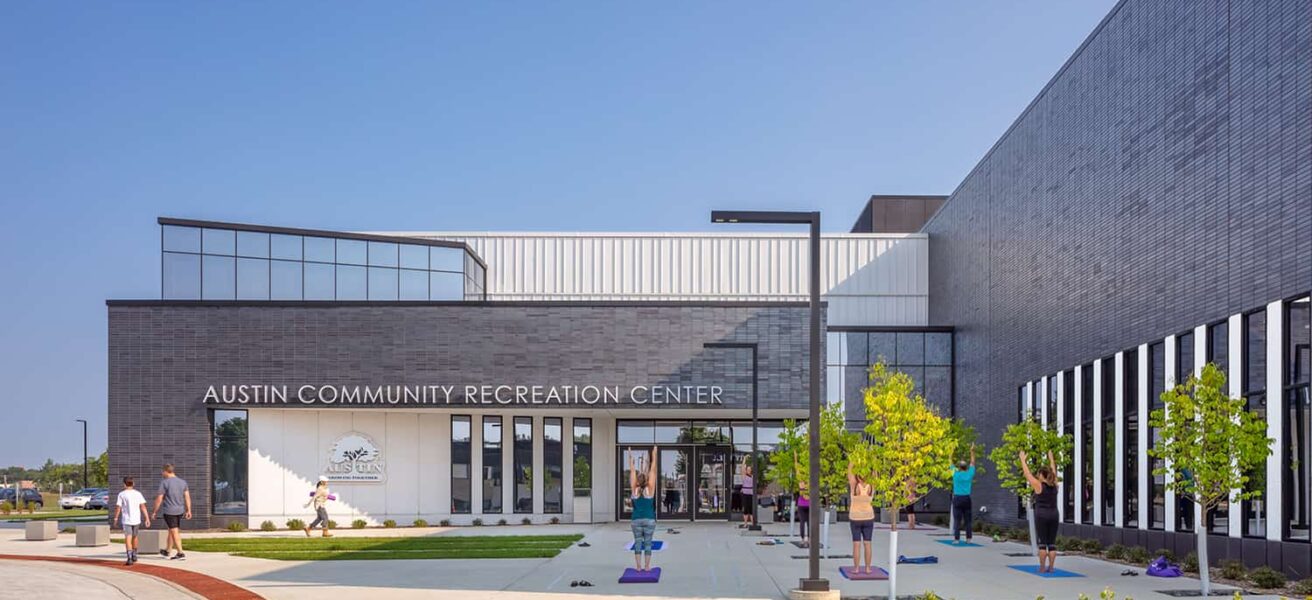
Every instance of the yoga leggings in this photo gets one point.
(643, 529)
(1045, 529)
(321, 517)
(804, 517)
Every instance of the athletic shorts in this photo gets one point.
(862, 531)
(173, 521)
(910, 509)
(131, 530)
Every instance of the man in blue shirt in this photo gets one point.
(962, 479)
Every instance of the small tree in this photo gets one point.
(1029, 437)
(1209, 444)
(788, 451)
(906, 451)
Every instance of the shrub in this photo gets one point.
(6, 507)
(928, 595)
(1190, 563)
(68, 530)
(1233, 569)
(359, 524)
(1116, 552)
(419, 523)
(1267, 578)
(1170, 556)
(1067, 543)
(389, 524)
(1303, 587)
(268, 526)
(978, 526)
(940, 520)
(1091, 546)
(236, 526)
(501, 521)
(1137, 555)
(1020, 535)
(478, 522)
(445, 522)
(555, 520)
(295, 524)
(331, 524)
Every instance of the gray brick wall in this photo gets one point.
(1163, 180)
(162, 356)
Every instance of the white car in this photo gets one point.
(78, 499)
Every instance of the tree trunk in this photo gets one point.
(1029, 514)
(1203, 574)
(892, 561)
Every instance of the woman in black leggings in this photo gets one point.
(1045, 509)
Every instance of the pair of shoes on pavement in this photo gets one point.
(178, 556)
(580, 583)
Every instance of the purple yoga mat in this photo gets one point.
(851, 573)
(632, 575)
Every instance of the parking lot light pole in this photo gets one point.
(84, 452)
(813, 582)
(756, 381)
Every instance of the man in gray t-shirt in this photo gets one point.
(175, 500)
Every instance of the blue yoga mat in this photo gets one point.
(632, 575)
(958, 544)
(851, 573)
(917, 560)
(656, 546)
(1034, 570)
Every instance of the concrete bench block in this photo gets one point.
(151, 541)
(92, 535)
(41, 531)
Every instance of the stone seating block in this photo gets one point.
(151, 541)
(92, 535)
(41, 531)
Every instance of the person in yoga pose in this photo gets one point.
(748, 492)
(962, 480)
(1044, 485)
(803, 502)
(643, 521)
(860, 518)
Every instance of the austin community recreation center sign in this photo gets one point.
(461, 395)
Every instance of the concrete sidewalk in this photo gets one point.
(704, 560)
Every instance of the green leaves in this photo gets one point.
(1030, 437)
(908, 449)
(1210, 443)
(791, 457)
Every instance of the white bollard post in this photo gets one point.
(792, 518)
(824, 535)
(892, 564)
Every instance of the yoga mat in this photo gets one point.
(917, 560)
(906, 528)
(1034, 570)
(799, 544)
(632, 575)
(958, 544)
(851, 573)
(656, 546)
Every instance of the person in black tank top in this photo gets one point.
(1044, 484)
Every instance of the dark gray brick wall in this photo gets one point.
(162, 356)
(1163, 180)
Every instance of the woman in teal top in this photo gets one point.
(644, 509)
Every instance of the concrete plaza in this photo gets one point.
(703, 560)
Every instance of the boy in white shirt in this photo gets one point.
(131, 508)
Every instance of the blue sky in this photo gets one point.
(457, 116)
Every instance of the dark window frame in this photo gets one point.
(517, 449)
(214, 467)
(469, 465)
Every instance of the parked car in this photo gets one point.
(78, 499)
(99, 501)
(29, 495)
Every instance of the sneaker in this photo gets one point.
(179, 556)
(164, 553)
(128, 562)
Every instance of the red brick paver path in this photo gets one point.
(198, 583)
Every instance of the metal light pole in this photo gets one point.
(813, 582)
(84, 452)
(756, 381)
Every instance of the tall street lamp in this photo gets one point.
(813, 582)
(756, 381)
(84, 452)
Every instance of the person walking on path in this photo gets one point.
(910, 508)
(129, 511)
(962, 481)
(803, 502)
(748, 494)
(643, 521)
(319, 498)
(174, 499)
(860, 518)
(1044, 485)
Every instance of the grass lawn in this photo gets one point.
(346, 548)
(72, 513)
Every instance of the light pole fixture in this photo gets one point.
(84, 452)
(756, 384)
(813, 582)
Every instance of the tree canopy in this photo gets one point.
(1028, 436)
(907, 449)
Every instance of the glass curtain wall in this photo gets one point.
(229, 462)
(1109, 456)
(553, 464)
(1068, 429)
(491, 464)
(1157, 483)
(582, 457)
(1218, 353)
(1086, 430)
(1130, 435)
(1184, 369)
(523, 463)
(925, 356)
(1298, 423)
(1254, 389)
(461, 454)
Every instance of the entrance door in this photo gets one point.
(692, 482)
(672, 480)
(712, 483)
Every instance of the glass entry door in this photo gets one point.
(691, 482)
(672, 483)
(712, 483)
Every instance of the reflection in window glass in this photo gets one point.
(286, 247)
(582, 457)
(1156, 483)
(352, 252)
(320, 281)
(446, 286)
(1184, 357)
(352, 283)
(553, 459)
(446, 259)
(382, 283)
(181, 276)
(414, 257)
(1068, 429)
(491, 464)
(910, 348)
(229, 462)
(382, 254)
(1108, 464)
(219, 241)
(883, 346)
(636, 432)
(253, 245)
(413, 285)
(938, 349)
(461, 488)
(523, 462)
(181, 239)
(1130, 433)
(218, 278)
(252, 279)
(285, 280)
(320, 249)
